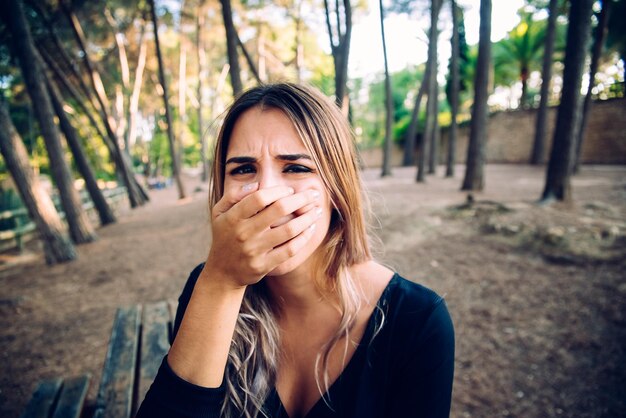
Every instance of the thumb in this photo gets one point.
(233, 197)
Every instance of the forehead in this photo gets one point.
(258, 130)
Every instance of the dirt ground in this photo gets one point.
(537, 294)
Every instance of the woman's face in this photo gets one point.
(265, 147)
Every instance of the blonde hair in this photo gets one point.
(254, 352)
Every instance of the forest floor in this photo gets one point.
(537, 294)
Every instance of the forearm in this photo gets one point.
(200, 350)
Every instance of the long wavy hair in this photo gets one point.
(253, 357)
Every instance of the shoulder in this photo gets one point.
(415, 315)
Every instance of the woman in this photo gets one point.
(290, 316)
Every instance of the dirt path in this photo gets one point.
(538, 295)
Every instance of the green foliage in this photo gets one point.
(369, 106)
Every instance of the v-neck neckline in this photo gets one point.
(359, 352)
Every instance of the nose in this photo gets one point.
(269, 177)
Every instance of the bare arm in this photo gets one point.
(245, 248)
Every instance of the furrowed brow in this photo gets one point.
(241, 160)
(293, 157)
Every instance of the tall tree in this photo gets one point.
(560, 165)
(81, 229)
(102, 206)
(474, 169)
(136, 195)
(519, 52)
(168, 116)
(596, 53)
(388, 100)
(339, 35)
(411, 135)
(454, 89)
(431, 90)
(57, 246)
(231, 47)
(538, 152)
(201, 58)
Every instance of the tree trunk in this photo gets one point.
(81, 230)
(454, 94)
(598, 43)
(538, 153)
(102, 206)
(340, 49)
(57, 246)
(411, 136)
(168, 116)
(561, 162)
(433, 158)
(133, 104)
(231, 46)
(388, 101)
(474, 170)
(431, 91)
(201, 57)
(136, 195)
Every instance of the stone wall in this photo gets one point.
(511, 136)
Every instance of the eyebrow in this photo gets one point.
(284, 157)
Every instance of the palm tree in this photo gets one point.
(519, 53)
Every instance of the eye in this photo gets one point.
(243, 169)
(297, 168)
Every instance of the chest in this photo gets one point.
(307, 369)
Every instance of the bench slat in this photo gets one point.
(43, 400)
(115, 395)
(154, 344)
(72, 397)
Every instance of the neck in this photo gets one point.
(296, 293)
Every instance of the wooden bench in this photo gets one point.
(58, 398)
(140, 337)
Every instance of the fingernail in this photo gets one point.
(315, 194)
(248, 187)
(312, 227)
(318, 212)
(291, 190)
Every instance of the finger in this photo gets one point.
(259, 200)
(286, 207)
(278, 236)
(234, 196)
(290, 248)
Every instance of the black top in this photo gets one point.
(406, 370)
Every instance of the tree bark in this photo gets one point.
(102, 206)
(593, 69)
(411, 137)
(388, 101)
(431, 91)
(168, 116)
(538, 152)
(474, 170)
(133, 105)
(136, 195)
(231, 47)
(81, 230)
(57, 246)
(560, 166)
(454, 94)
(433, 157)
(340, 49)
(201, 58)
